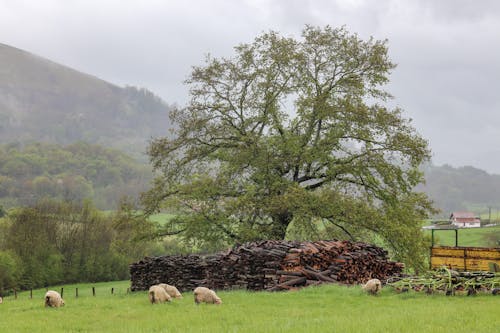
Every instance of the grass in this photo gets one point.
(330, 308)
(162, 218)
(483, 237)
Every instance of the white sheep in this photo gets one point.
(373, 286)
(53, 299)
(1, 300)
(171, 290)
(157, 294)
(205, 295)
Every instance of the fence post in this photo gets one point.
(112, 291)
(76, 292)
(31, 293)
(62, 291)
(93, 291)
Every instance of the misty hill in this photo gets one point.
(463, 188)
(41, 100)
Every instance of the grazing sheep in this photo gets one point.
(1, 300)
(158, 295)
(53, 299)
(171, 290)
(205, 295)
(373, 286)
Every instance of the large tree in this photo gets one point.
(293, 131)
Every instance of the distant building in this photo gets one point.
(465, 220)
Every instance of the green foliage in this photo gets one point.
(60, 242)
(292, 132)
(134, 233)
(73, 173)
(329, 308)
(10, 270)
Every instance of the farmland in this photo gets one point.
(329, 308)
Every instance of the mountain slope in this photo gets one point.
(462, 188)
(41, 100)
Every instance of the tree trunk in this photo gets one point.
(281, 221)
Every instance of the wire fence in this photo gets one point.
(68, 292)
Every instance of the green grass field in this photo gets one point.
(329, 308)
(162, 218)
(484, 237)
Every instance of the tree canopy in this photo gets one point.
(30, 172)
(293, 132)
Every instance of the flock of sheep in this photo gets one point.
(159, 293)
(163, 292)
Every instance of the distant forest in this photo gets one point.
(30, 172)
(462, 188)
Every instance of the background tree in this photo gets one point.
(59, 242)
(2, 211)
(293, 131)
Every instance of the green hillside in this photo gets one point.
(74, 172)
(43, 101)
(462, 188)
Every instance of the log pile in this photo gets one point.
(318, 262)
(183, 271)
(269, 265)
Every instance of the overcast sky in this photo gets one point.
(447, 51)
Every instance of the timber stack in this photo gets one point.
(269, 265)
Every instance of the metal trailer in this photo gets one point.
(464, 258)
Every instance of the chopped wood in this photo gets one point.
(268, 265)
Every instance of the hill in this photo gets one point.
(74, 172)
(43, 101)
(462, 188)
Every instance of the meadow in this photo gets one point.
(328, 308)
(483, 237)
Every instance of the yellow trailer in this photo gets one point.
(462, 258)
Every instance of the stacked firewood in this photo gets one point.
(318, 262)
(184, 271)
(269, 265)
(251, 266)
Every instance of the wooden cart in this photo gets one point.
(462, 258)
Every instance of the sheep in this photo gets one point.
(158, 295)
(53, 299)
(373, 286)
(202, 294)
(171, 290)
(1, 300)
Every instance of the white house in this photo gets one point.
(465, 220)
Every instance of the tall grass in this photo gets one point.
(330, 308)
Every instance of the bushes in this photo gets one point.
(60, 242)
(10, 270)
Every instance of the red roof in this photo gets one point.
(464, 217)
